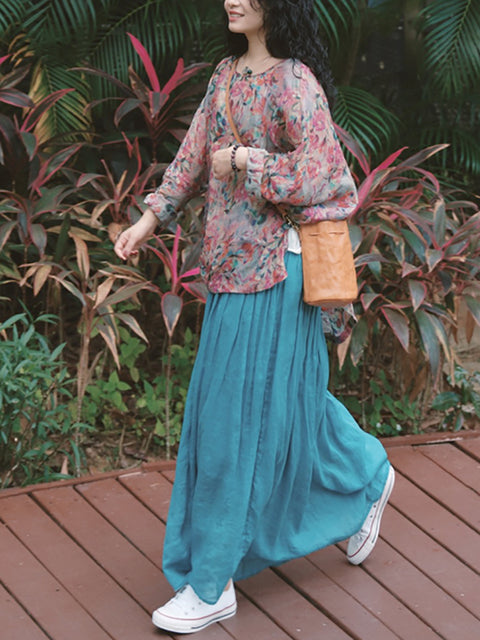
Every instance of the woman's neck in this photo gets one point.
(257, 57)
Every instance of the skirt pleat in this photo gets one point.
(270, 465)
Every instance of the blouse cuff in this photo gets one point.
(255, 167)
(163, 209)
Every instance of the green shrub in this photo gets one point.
(36, 431)
(133, 402)
(381, 411)
(461, 404)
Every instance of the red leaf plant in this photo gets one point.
(417, 251)
(30, 168)
(163, 110)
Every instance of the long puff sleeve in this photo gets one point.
(312, 175)
(187, 173)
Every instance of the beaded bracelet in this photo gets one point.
(233, 160)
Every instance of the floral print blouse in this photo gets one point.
(294, 158)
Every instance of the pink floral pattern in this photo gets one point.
(294, 159)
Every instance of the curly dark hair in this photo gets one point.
(292, 30)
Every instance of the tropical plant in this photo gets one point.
(181, 277)
(114, 197)
(450, 72)
(160, 112)
(428, 75)
(417, 257)
(98, 291)
(56, 35)
(30, 169)
(9, 93)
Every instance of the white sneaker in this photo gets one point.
(361, 544)
(186, 613)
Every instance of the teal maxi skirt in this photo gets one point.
(270, 466)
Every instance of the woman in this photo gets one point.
(270, 466)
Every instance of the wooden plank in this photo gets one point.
(128, 515)
(16, 622)
(42, 595)
(169, 475)
(416, 584)
(84, 579)
(123, 562)
(372, 595)
(152, 489)
(420, 594)
(159, 465)
(434, 437)
(298, 617)
(456, 462)
(251, 623)
(422, 510)
(213, 632)
(338, 604)
(449, 573)
(472, 447)
(439, 484)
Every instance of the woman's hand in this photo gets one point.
(222, 162)
(129, 240)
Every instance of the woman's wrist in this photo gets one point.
(148, 221)
(241, 158)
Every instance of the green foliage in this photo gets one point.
(452, 54)
(366, 119)
(422, 61)
(381, 412)
(138, 402)
(57, 35)
(460, 405)
(416, 256)
(36, 431)
(183, 357)
(336, 18)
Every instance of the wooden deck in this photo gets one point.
(82, 560)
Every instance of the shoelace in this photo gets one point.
(365, 530)
(176, 600)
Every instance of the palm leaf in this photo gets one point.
(463, 152)
(66, 117)
(366, 119)
(62, 18)
(11, 13)
(335, 17)
(451, 39)
(162, 27)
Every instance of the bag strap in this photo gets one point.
(286, 216)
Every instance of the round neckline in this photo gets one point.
(249, 76)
